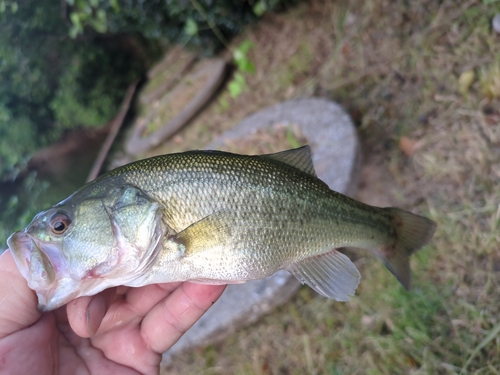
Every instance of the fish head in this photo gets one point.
(87, 243)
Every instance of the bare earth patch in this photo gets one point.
(431, 144)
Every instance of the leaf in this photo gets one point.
(76, 27)
(465, 81)
(246, 65)
(408, 145)
(238, 55)
(259, 8)
(115, 5)
(191, 27)
(237, 84)
(73, 31)
(245, 46)
(292, 140)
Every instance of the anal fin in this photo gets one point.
(332, 275)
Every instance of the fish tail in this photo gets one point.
(412, 233)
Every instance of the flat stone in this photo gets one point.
(168, 72)
(335, 149)
(210, 73)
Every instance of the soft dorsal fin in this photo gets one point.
(298, 157)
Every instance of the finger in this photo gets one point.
(85, 314)
(143, 299)
(136, 304)
(18, 303)
(172, 317)
(121, 290)
(126, 338)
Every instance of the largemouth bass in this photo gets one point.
(210, 217)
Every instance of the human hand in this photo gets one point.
(121, 330)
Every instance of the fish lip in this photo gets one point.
(36, 267)
(21, 245)
(50, 299)
(56, 287)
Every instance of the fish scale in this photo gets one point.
(212, 217)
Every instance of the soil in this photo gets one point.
(276, 137)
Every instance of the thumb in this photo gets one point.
(18, 303)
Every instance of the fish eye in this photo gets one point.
(59, 223)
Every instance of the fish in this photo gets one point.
(210, 217)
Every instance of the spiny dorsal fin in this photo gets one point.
(298, 157)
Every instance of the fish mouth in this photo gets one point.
(33, 263)
(39, 268)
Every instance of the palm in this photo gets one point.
(139, 325)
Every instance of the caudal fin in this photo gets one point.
(413, 232)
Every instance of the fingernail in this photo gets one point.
(95, 314)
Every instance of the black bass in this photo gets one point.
(210, 217)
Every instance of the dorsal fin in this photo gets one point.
(298, 157)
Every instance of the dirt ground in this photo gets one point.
(421, 81)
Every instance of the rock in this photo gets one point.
(177, 106)
(496, 23)
(335, 148)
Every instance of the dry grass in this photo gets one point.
(395, 66)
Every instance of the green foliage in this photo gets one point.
(25, 79)
(79, 100)
(191, 27)
(50, 83)
(187, 22)
(70, 107)
(16, 139)
(244, 65)
(260, 8)
(12, 5)
(17, 210)
(241, 59)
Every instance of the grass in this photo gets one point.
(396, 67)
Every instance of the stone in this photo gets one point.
(495, 23)
(336, 158)
(177, 106)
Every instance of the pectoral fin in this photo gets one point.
(211, 231)
(332, 275)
